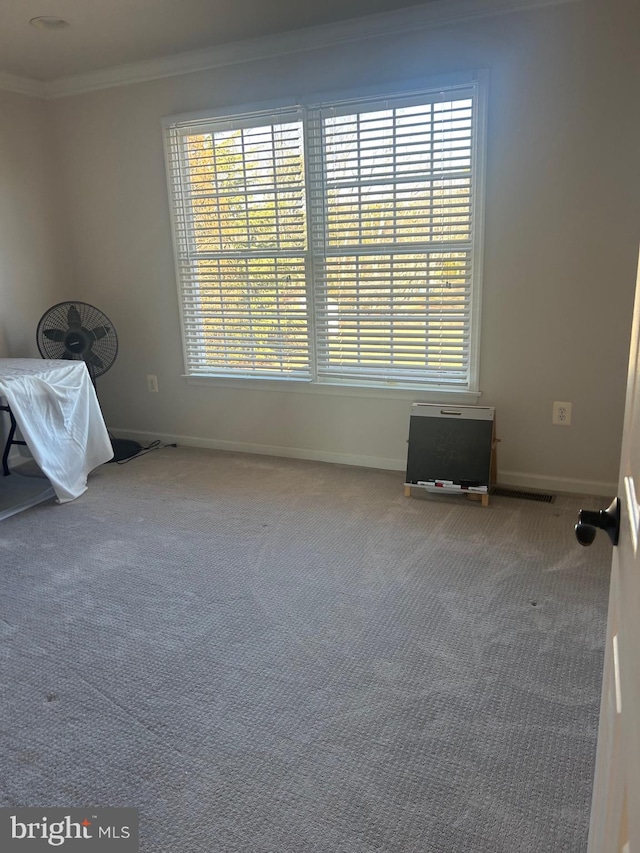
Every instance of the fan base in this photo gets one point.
(124, 448)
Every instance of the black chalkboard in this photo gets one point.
(449, 448)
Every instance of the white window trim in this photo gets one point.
(480, 167)
(337, 389)
(341, 387)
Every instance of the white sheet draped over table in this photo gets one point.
(57, 411)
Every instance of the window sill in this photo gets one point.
(292, 386)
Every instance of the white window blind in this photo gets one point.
(336, 243)
(240, 230)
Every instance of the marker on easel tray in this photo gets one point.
(444, 483)
(482, 489)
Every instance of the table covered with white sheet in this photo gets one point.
(57, 411)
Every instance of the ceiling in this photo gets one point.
(108, 33)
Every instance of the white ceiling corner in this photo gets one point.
(423, 16)
(22, 85)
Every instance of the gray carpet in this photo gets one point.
(274, 656)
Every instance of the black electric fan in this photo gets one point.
(77, 331)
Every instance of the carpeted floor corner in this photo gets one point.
(276, 656)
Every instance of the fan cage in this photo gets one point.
(79, 324)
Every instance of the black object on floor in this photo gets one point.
(124, 448)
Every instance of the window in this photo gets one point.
(336, 243)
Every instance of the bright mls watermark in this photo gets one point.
(82, 830)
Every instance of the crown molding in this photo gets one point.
(437, 13)
(22, 85)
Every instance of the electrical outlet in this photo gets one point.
(561, 414)
(152, 383)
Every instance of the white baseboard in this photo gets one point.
(506, 478)
(546, 483)
(361, 461)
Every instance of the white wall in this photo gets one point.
(562, 229)
(32, 259)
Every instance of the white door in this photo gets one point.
(615, 813)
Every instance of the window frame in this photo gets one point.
(293, 109)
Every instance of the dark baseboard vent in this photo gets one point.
(523, 496)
